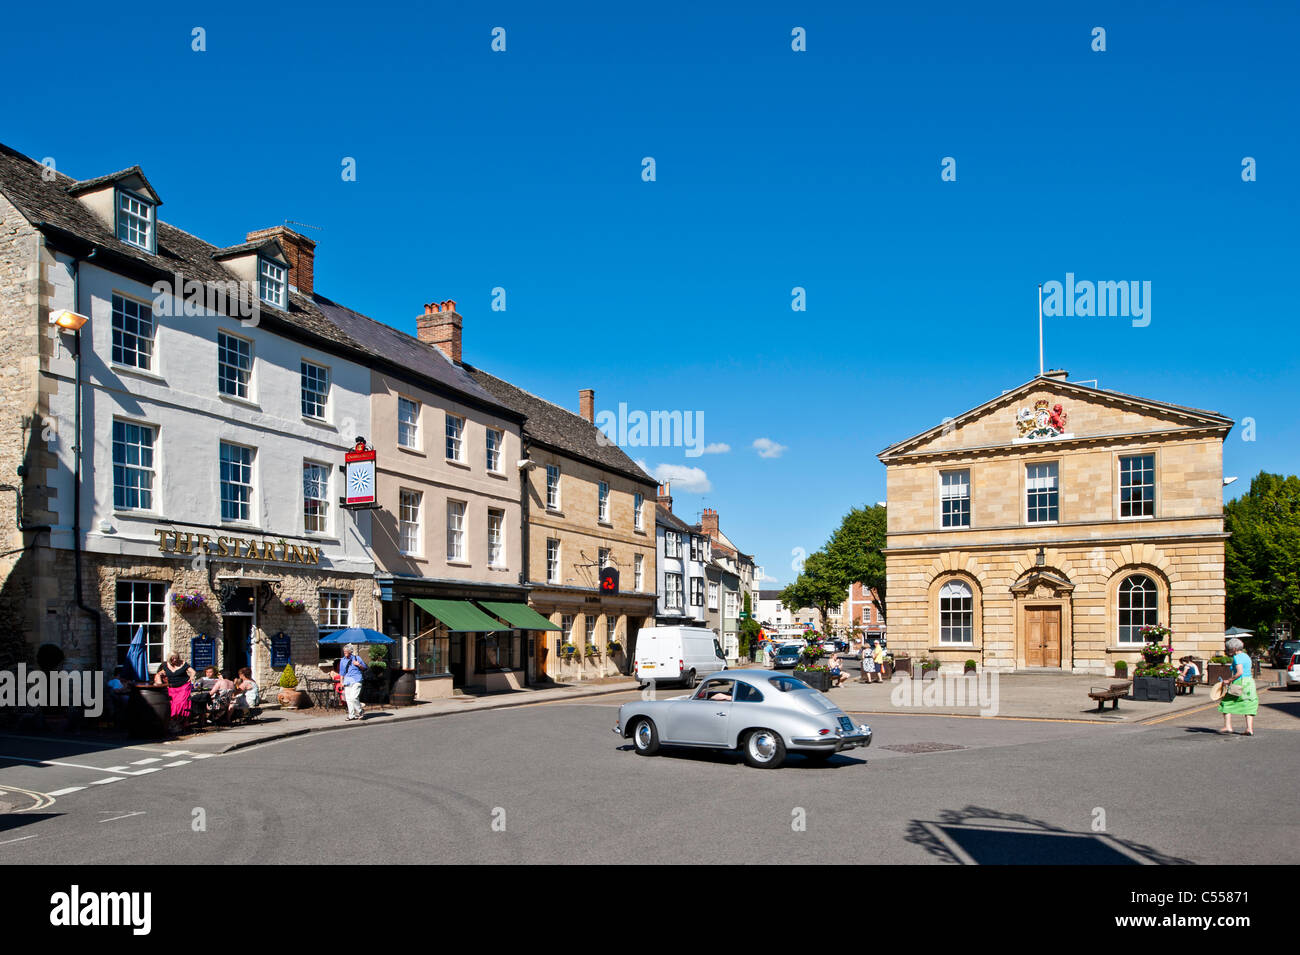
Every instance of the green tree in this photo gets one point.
(854, 550)
(819, 585)
(749, 629)
(1262, 555)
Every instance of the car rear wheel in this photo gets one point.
(645, 737)
(764, 749)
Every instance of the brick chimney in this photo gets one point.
(298, 249)
(1059, 373)
(587, 404)
(709, 522)
(439, 326)
(665, 496)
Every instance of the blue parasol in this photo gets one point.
(355, 635)
(136, 656)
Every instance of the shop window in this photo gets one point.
(497, 651)
(142, 604)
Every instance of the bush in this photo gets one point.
(970, 665)
(1121, 666)
(288, 678)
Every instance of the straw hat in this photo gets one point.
(1219, 690)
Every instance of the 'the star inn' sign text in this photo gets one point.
(236, 548)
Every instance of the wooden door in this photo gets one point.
(1043, 636)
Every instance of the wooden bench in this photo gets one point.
(1113, 693)
(1182, 687)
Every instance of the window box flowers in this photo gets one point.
(294, 605)
(189, 603)
(568, 651)
(592, 651)
(613, 646)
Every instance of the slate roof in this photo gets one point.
(561, 430)
(669, 519)
(69, 224)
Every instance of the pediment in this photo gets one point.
(1050, 410)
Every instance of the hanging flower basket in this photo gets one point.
(613, 646)
(592, 650)
(568, 651)
(294, 605)
(188, 603)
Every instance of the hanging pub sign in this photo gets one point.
(359, 464)
(203, 652)
(608, 580)
(280, 651)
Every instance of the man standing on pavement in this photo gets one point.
(351, 670)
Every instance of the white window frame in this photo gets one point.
(602, 502)
(552, 487)
(1123, 458)
(322, 516)
(1149, 611)
(638, 572)
(456, 512)
(242, 377)
(250, 501)
(954, 489)
(455, 431)
(409, 428)
(410, 512)
(713, 595)
(140, 341)
(697, 591)
(494, 441)
(552, 560)
(673, 594)
(672, 544)
(730, 607)
(335, 607)
(956, 600)
(156, 630)
(1037, 473)
(131, 221)
(602, 558)
(272, 282)
(148, 472)
(638, 516)
(312, 379)
(497, 557)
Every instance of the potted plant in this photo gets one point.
(817, 676)
(1154, 682)
(1157, 648)
(592, 651)
(290, 697)
(1121, 669)
(970, 667)
(188, 603)
(294, 605)
(1219, 668)
(902, 663)
(929, 668)
(568, 651)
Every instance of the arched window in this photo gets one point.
(956, 613)
(1139, 602)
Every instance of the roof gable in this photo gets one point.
(132, 179)
(1047, 410)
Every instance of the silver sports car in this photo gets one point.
(764, 713)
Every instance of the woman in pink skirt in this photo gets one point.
(178, 676)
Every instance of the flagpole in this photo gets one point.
(1040, 329)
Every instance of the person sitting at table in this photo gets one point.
(119, 692)
(222, 690)
(247, 693)
(1188, 671)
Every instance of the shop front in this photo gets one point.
(593, 635)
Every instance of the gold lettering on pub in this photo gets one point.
(184, 542)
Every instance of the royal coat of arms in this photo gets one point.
(1041, 421)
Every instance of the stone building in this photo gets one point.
(682, 554)
(859, 611)
(587, 507)
(178, 415)
(1043, 528)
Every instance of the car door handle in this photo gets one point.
(720, 713)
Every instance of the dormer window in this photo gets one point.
(271, 282)
(135, 224)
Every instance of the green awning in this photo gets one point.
(519, 616)
(460, 616)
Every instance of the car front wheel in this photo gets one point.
(764, 749)
(645, 737)
(689, 680)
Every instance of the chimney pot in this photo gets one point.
(440, 326)
(587, 404)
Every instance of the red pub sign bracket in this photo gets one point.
(359, 464)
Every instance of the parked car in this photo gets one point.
(786, 656)
(763, 713)
(676, 653)
(1281, 652)
(1293, 671)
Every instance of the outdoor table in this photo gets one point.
(322, 693)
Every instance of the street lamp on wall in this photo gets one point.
(67, 320)
(1041, 559)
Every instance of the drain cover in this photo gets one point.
(922, 747)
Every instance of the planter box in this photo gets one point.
(1121, 674)
(817, 679)
(1153, 689)
(929, 674)
(1214, 672)
(903, 665)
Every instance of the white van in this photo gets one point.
(677, 653)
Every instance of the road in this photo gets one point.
(551, 783)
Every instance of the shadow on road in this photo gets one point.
(794, 760)
(10, 821)
(981, 836)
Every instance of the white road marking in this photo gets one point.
(179, 762)
(98, 769)
(126, 816)
(64, 792)
(203, 755)
(19, 839)
(103, 782)
(145, 762)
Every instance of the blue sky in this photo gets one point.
(774, 169)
